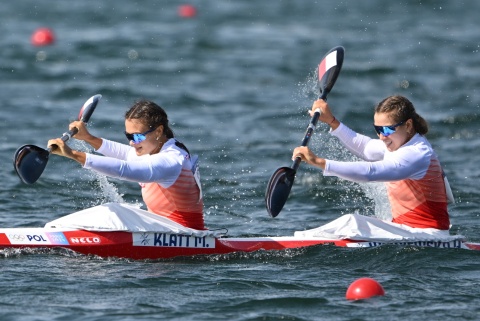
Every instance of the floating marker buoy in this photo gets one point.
(364, 288)
(187, 11)
(42, 37)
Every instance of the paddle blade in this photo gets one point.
(88, 108)
(30, 162)
(329, 69)
(84, 115)
(278, 189)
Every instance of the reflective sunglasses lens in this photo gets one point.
(384, 130)
(387, 131)
(136, 138)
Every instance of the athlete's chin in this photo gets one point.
(392, 148)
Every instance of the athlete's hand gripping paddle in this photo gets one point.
(281, 182)
(30, 160)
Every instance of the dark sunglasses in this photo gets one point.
(137, 138)
(387, 130)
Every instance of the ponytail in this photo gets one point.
(420, 124)
(168, 132)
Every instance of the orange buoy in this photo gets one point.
(42, 37)
(364, 288)
(187, 11)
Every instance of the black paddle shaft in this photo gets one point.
(309, 132)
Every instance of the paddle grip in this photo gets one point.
(66, 136)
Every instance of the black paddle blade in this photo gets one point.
(29, 162)
(278, 190)
(85, 113)
(88, 108)
(329, 69)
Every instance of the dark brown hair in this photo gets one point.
(151, 115)
(402, 109)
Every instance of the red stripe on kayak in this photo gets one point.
(4, 239)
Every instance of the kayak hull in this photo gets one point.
(151, 245)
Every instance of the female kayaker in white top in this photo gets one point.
(402, 157)
(161, 164)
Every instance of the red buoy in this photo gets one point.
(364, 288)
(187, 11)
(42, 37)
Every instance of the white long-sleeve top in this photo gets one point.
(122, 162)
(380, 165)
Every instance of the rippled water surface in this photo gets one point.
(236, 81)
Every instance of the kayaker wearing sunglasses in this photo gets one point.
(164, 167)
(401, 156)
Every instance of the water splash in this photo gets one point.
(330, 147)
(108, 191)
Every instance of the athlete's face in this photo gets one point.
(402, 133)
(148, 141)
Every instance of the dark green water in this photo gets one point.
(236, 82)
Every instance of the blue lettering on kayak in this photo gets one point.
(173, 240)
(36, 238)
(456, 244)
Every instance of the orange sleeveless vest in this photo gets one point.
(421, 203)
(180, 202)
